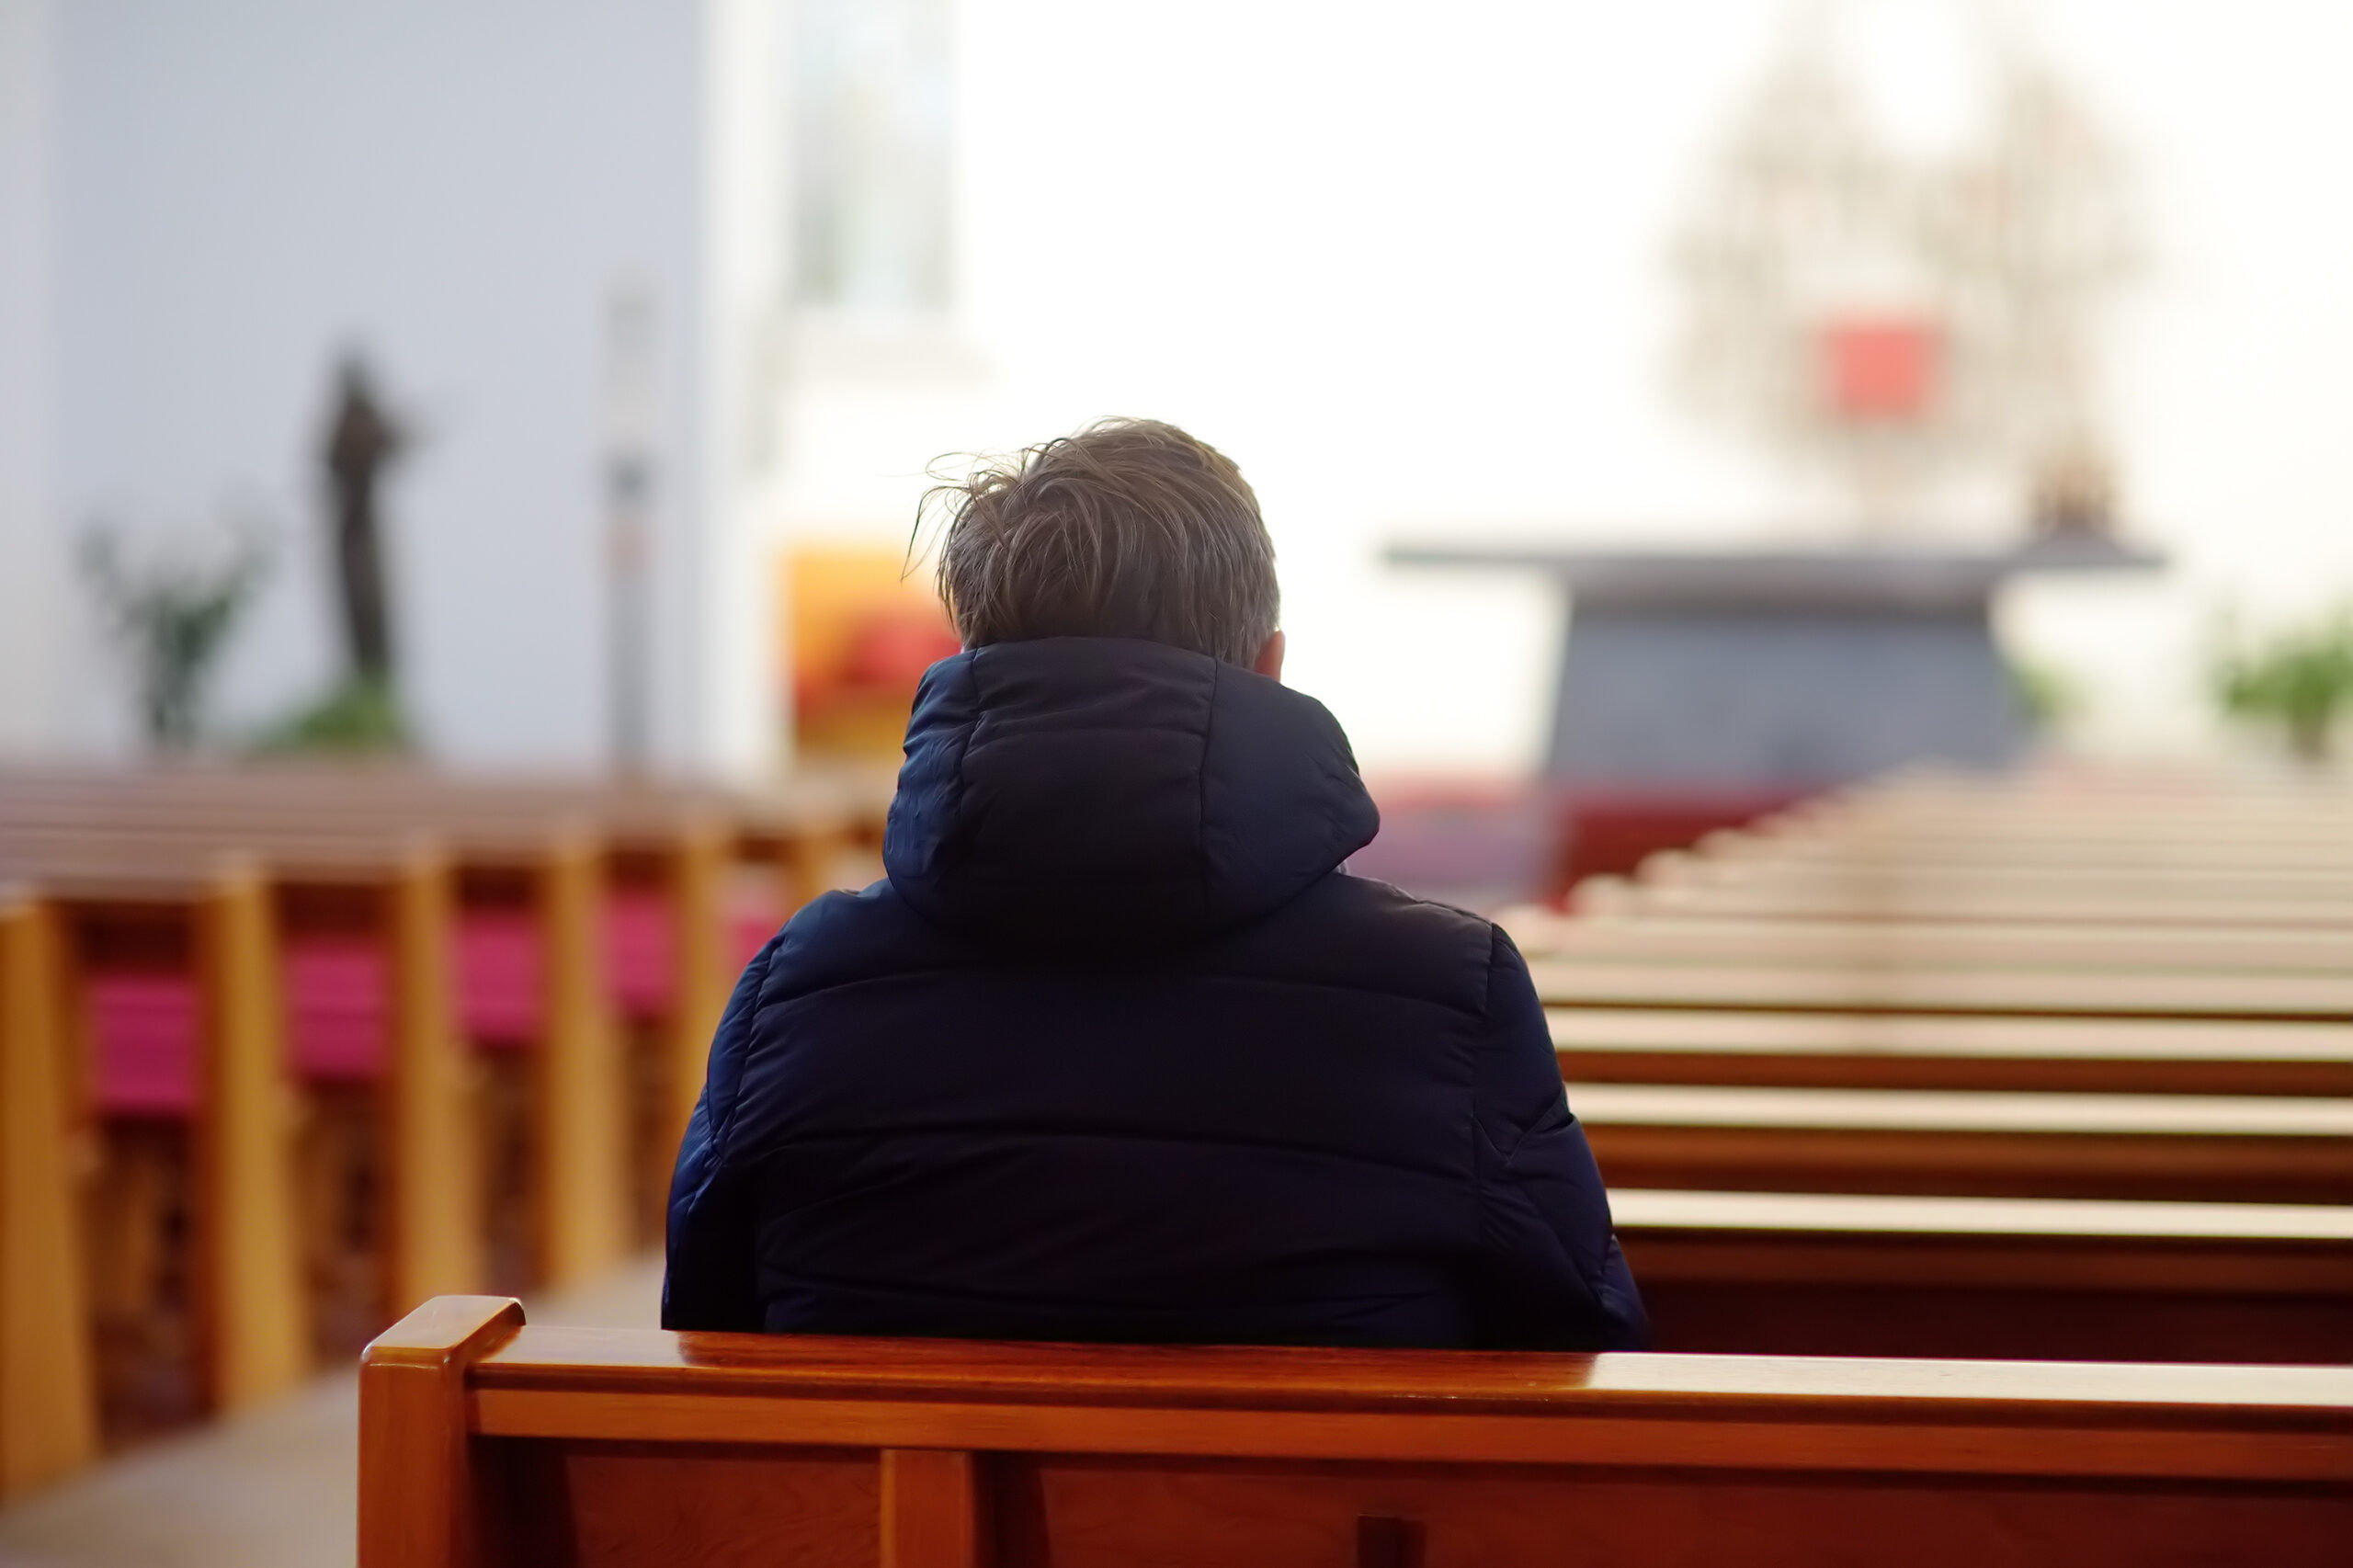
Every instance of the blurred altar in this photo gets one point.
(681, 305)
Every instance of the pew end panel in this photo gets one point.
(487, 1442)
(49, 1408)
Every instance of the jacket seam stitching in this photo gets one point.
(1201, 784)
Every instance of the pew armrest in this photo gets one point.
(417, 1506)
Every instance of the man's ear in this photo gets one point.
(1269, 662)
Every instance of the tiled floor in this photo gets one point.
(273, 1488)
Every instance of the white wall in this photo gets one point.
(245, 187)
(27, 562)
(1407, 264)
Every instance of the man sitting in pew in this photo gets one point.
(1119, 1051)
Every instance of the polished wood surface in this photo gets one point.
(2187, 1147)
(49, 1417)
(706, 976)
(252, 1310)
(931, 1509)
(578, 1135)
(432, 1205)
(419, 1496)
(1994, 906)
(1033, 1454)
(1861, 987)
(1596, 932)
(1866, 872)
(2013, 1278)
(130, 866)
(1866, 1051)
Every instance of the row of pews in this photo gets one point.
(1985, 1151)
(285, 1053)
(1952, 1069)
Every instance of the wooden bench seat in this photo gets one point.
(2014, 1278)
(2222, 884)
(1869, 1051)
(484, 1441)
(1595, 933)
(2187, 1147)
(1870, 988)
(1992, 906)
(1997, 842)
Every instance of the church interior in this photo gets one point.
(1819, 517)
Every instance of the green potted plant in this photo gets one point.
(172, 614)
(2299, 679)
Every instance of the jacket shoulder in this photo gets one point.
(841, 938)
(1368, 936)
(1344, 931)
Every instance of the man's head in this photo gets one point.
(1129, 528)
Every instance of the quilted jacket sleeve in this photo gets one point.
(711, 1282)
(1551, 1274)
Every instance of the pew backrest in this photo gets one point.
(484, 1441)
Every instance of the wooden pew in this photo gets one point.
(345, 815)
(1867, 1051)
(2005, 839)
(1864, 987)
(2223, 884)
(1595, 933)
(484, 1441)
(2000, 905)
(549, 876)
(2191, 1148)
(680, 846)
(249, 1309)
(1801, 1274)
(128, 856)
(49, 1407)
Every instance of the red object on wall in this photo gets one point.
(1880, 368)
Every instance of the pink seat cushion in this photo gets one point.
(754, 909)
(143, 1037)
(498, 978)
(338, 1007)
(639, 952)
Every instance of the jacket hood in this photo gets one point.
(1104, 794)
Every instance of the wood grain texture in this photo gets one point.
(1775, 1413)
(419, 1503)
(931, 1509)
(49, 1406)
(645, 1448)
(1081, 1513)
(1780, 1274)
(647, 1505)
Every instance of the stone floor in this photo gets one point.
(272, 1488)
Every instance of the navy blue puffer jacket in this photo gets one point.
(1118, 1052)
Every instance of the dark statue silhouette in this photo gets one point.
(361, 443)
